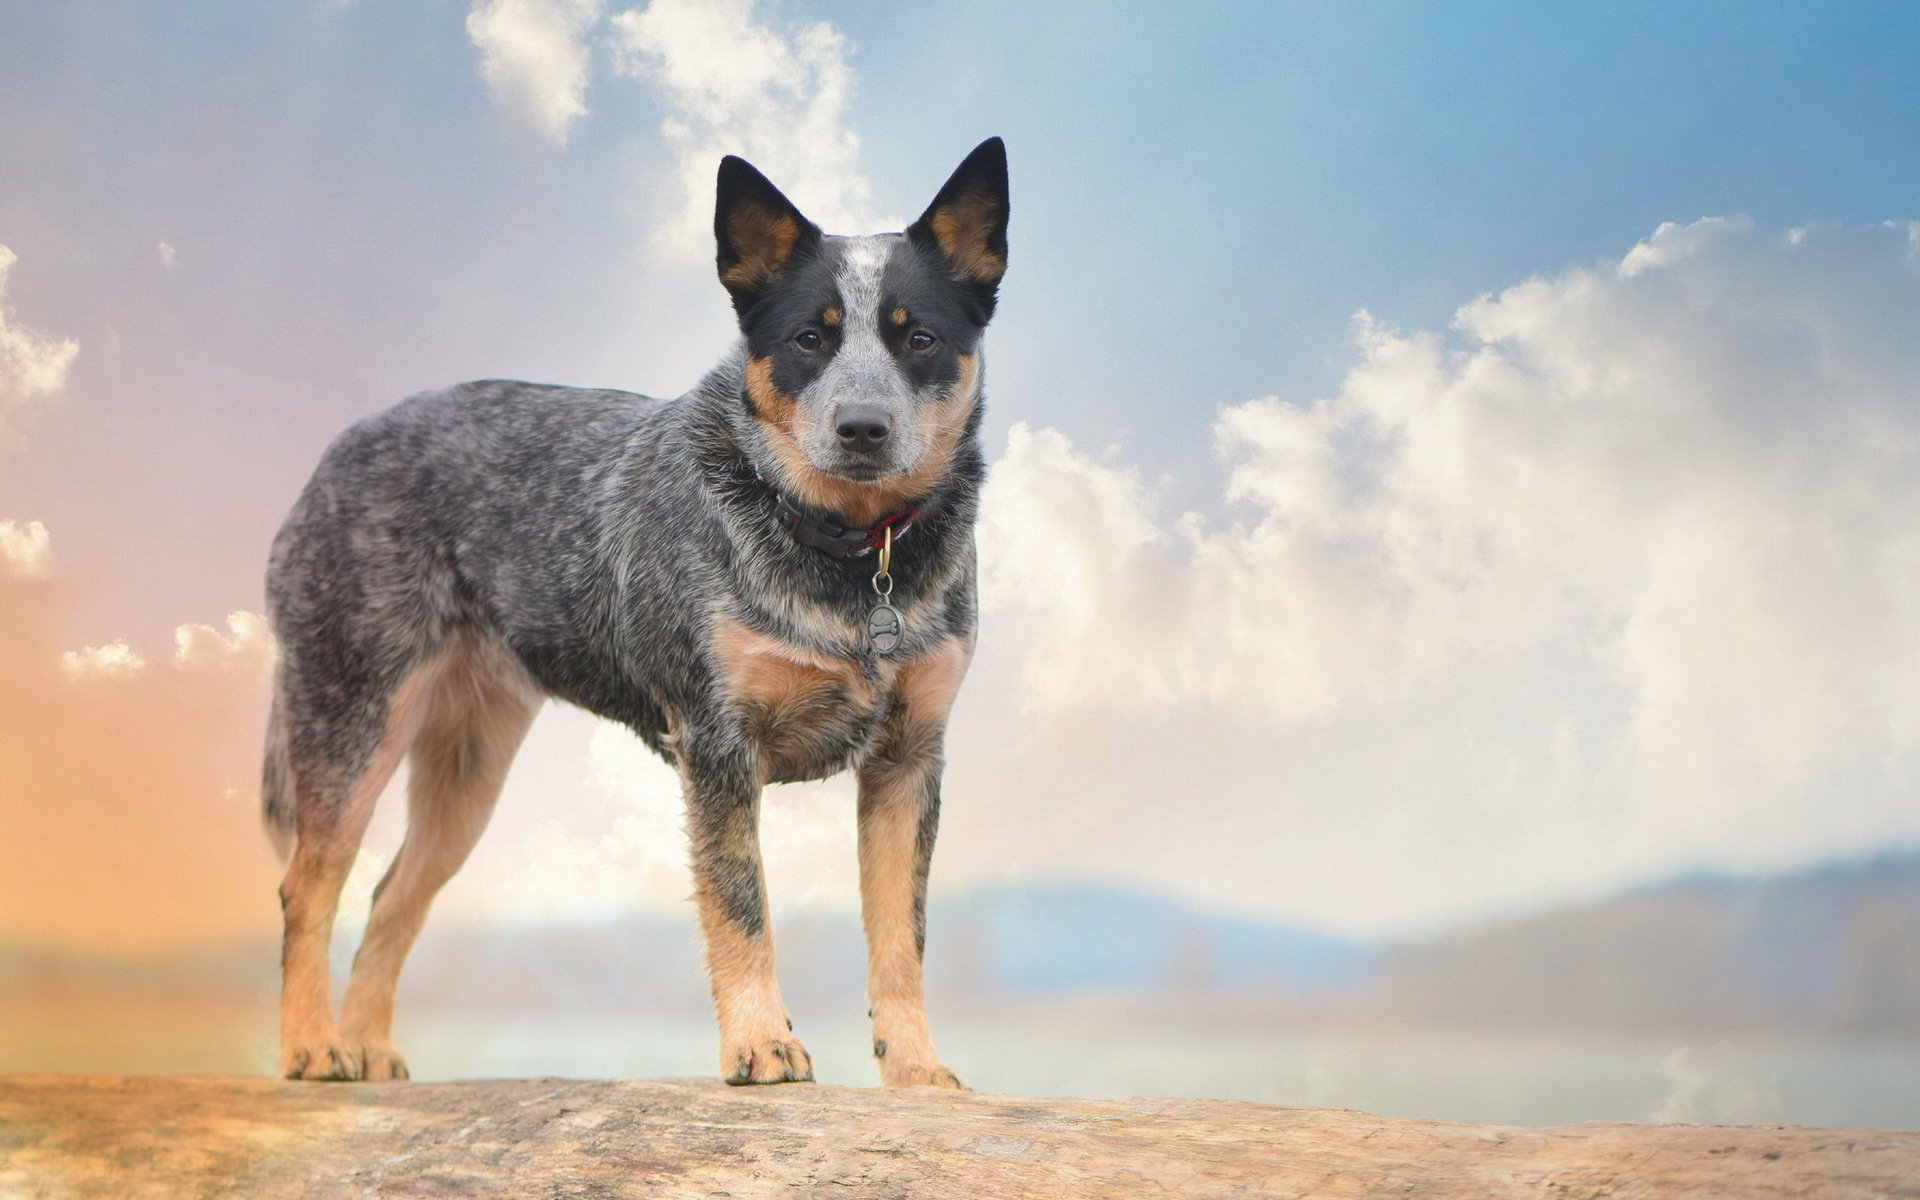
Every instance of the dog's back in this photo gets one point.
(472, 512)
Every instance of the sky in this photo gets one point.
(1448, 460)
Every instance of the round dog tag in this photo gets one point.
(884, 628)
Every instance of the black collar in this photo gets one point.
(811, 527)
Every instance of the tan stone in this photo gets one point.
(66, 1137)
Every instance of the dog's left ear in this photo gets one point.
(757, 230)
(966, 225)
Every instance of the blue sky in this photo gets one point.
(1204, 199)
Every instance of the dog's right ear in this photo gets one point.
(758, 231)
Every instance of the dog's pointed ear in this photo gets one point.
(966, 225)
(758, 231)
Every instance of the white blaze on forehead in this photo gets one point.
(858, 273)
(862, 354)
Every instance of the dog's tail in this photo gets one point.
(276, 797)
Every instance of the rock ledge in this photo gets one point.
(81, 1137)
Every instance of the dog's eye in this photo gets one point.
(920, 341)
(808, 341)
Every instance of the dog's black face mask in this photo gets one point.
(863, 352)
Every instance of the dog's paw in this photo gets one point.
(333, 1061)
(766, 1060)
(382, 1062)
(919, 1074)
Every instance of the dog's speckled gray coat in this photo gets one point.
(597, 534)
(498, 541)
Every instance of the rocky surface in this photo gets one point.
(74, 1137)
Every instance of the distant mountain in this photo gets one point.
(1830, 950)
(1835, 950)
(1079, 938)
(1009, 942)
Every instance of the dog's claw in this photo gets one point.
(931, 1075)
(329, 1063)
(772, 1060)
(382, 1062)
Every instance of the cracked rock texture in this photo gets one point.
(265, 1139)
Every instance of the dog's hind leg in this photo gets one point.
(329, 819)
(899, 814)
(475, 715)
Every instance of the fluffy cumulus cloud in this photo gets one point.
(725, 82)
(733, 85)
(1611, 578)
(32, 367)
(533, 54)
(25, 549)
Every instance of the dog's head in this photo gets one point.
(863, 353)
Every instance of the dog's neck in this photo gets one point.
(823, 531)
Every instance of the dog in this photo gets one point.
(770, 578)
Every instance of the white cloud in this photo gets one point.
(25, 549)
(247, 642)
(31, 366)
(534, 57)
(1641, 537)
(167, 255)
(115, 660)
(735, 86)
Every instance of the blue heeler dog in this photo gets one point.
(770, 578)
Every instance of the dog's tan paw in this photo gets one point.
(767, 1060)
(382, 1062)
(332, 1061)
(906, 1073)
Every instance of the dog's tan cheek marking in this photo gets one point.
(773, 406)
(786, 424)
(899, 785)
(944, 421)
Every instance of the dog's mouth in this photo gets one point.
(860, 472)
(862, 468)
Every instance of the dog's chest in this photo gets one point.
(807, 714)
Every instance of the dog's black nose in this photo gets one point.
(861, 427)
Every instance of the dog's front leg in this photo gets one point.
(722, 789)
(899, 815)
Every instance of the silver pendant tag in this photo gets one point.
(884, 628)
(884, 625)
